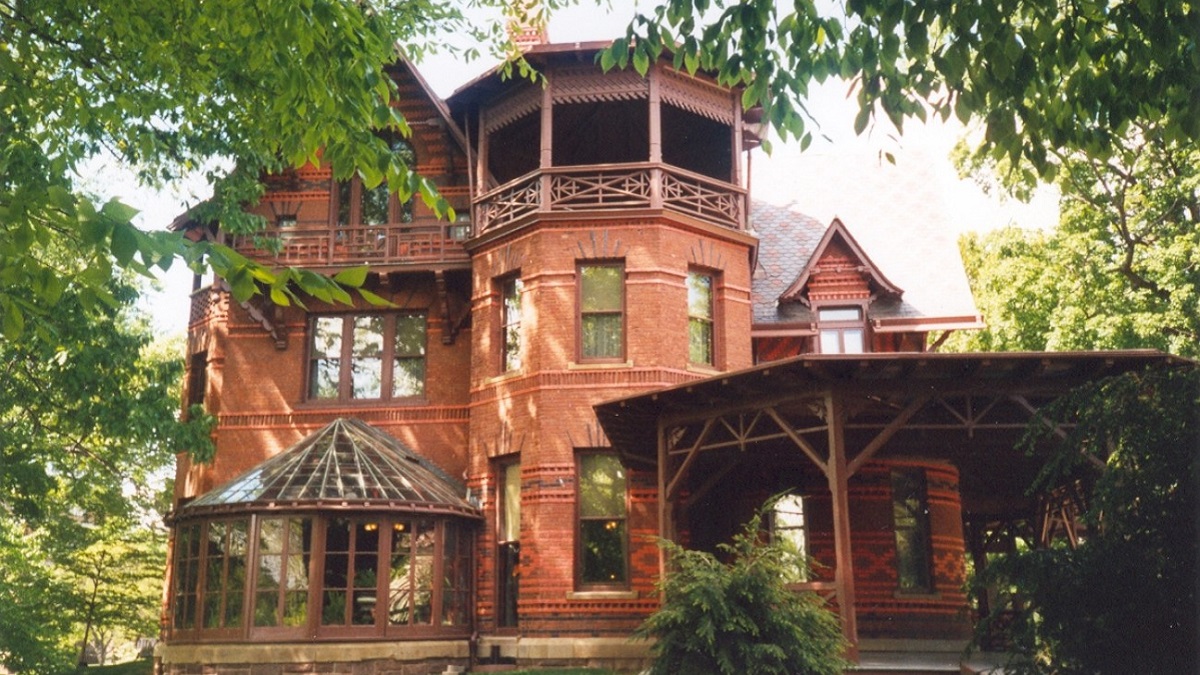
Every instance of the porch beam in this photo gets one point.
(673, 486)
(798, 440)
(745, 404)
(838, 476)
(886, 434)
(1058, 431)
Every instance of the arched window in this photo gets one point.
(354, 204)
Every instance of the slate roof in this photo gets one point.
(347, 464)
(895, 213)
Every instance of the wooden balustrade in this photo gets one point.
(612, 187)
(317, 244)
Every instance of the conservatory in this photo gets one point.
(347, 535)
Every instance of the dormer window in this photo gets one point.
(841, 330)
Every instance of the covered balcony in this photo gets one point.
(590, 141)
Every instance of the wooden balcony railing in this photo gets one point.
(317, 244)
(612, 187)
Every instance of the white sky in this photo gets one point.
(777, 178)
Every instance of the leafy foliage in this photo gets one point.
(1122, 269)
(1042, 75)
(1125, 600)
(740, 617)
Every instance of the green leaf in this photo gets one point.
(118, 212)
(124, 243)
(352, 276)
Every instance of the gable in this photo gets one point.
(839, 270)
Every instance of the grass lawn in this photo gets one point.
(139, 667)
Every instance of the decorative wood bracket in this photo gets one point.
(451, 325)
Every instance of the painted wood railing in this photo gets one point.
(612, 187)
(317, 244)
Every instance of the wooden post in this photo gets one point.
(481, 171)
(655, 127)
(838, 475)
(664, 508)
(547, 143)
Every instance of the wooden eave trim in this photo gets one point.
(926, 324)
(837, 227)
(439, 104)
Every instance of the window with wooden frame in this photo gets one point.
(910, 512)
(367, 356)
(508, 543)
(841, 330)
(602, 311)
(510, 323)
(602, 557)
(789, 523)
(347, 576)
(354, 204)
(701, 318)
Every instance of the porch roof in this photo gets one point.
(883, 384)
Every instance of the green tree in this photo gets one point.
(741, 617)
(1041, 75)
(33, 626)
(1121, 270)
(1125, 600)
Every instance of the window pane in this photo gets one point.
(408, 377)
(830, 342)
(852, 341)
(601, 486)
(367, 365)
(840, 314)
(510, 511)
(400, 579)
(410, 335)
(602, 335)
(601, 288)
(326, 357)
(375, 205)
(910, 513)
(603, 551)
(511, 324)
(699, 295)
(700, 341)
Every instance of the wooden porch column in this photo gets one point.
(655, 124)
(838, 474)
(547, 142)
(481, 156)
(664, 506)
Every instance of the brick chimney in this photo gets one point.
(527, 24)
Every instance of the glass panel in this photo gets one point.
(375, 205)
(366, 378)
(510, 511)
(603, 551)
(511, 322)
(295, 609)
(270, 569)
(699, 295)
(910, 512)
(212, 610)
(408, 379)
(700, 341)
(840, 314)
(326, 357)
(233, 609)
(601, 486)
(400, 583)
(831, 342)
(333, 608)
(601, 288)
(266, 611)
(852, 341)
(788, 523)
(410, 335)
(602, 335)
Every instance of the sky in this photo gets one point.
(820, 180)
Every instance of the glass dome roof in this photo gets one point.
(348, 464)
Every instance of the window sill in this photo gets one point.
(400, 402)
(602, 595)
(703, 369)
(509, 375)
(599, 365)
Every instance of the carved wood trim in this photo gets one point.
(586, 84)
(697, 96)
(512, 108)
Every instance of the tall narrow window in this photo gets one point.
(510, 323)
(186, 576)
(603, 539)
(602, 312)
(788, 523)
(841, 330)
(910, 511)
(225, 574)
(370, 356)
(508, 538)
(700, 318)
(281, 586)
(410, 589)
(351, 582)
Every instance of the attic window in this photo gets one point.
(841, 330)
